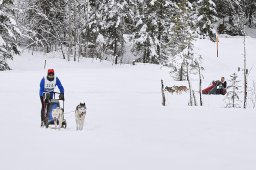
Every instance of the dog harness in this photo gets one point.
(49, 85)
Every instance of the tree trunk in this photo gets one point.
(48, 47)
(163, 95)
(115, 50)
(159, 36)
(190, 87)
(33, 48)
(194, 97)
(44, 64)
(79, 34)
(75, 30)
(87, 27)
(181, 72)
(233, 97)
(245, 75)
(200, 84)
(70, 31)
(144, 55)
(63, 54)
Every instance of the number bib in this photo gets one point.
(49, 85)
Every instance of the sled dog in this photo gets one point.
(57, 115)
(169, 89)
(80, 113)
(180, 89)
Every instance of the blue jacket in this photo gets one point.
(58, 83)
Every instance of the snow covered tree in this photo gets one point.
(235, 14)
(232, 99)
(8, 33)
(46, 20)
(115, 15)
(183, 36)
(206, 17)
(160, 29)
(151, 36)
(250, 12)
(180, 30)
(90, 32)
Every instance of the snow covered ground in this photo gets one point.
(126, 127)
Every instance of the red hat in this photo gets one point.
(50, 71)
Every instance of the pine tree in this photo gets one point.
(250, 12)
(183, 36)
(115, 15)
(182, 30)
(161, 30)
(8, 34)
(232, 99)
(234, 16)
(206, 17)
(91, 28)
(151, 36)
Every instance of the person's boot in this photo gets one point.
(42, 123)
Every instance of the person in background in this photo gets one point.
(221, 86)
(47, 85)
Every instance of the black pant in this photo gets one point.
(218, 91)
(42, 109)
(45, 105)
(221, 91)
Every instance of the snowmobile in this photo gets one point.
(51, 102)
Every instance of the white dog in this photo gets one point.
(57, 115)
(80, 116)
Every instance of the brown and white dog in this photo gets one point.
(169, 89)
(80, 113)
(180, 89)
(176, 89)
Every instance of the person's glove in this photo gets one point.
(61, 97)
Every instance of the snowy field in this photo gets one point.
(126, 127)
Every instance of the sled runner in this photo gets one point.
(51, 103)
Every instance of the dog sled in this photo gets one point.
(51, 103)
